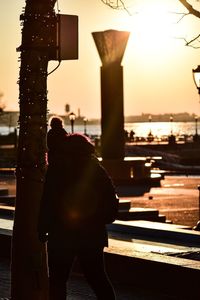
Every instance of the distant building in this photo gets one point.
(67, 108)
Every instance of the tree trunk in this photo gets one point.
(29, 278)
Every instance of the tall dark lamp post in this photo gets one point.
(72, 118)
(150, 119)
(196, 137)
(196, 77)
(85, 125)
(111, 45)
(172, 138)
(196, 125)
(171, 122)
(150, 135)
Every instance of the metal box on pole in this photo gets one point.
(65, 37)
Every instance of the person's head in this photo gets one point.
(56, 122)
(79, 145)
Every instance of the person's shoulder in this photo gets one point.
(97, 165)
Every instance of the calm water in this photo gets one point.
(158, 129)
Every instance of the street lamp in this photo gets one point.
(172, 138)
(85, 125)
(150, 119)
(72, 118)
(196, 77)
(197, 227)
(196, 126)
(150, 136)
(171, 122)
(196, 137)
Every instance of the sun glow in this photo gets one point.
(152, 26)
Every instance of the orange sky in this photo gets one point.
(157, 65)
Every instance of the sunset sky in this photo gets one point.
(157, 64)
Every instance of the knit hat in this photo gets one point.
(79, 144)
(56, 122)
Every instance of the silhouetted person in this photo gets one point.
(55, 137)
(126, 135)
(78, 201)
(132, 134)
(172, 140)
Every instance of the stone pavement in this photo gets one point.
(177, 199)
(140, 269)
(147, 256)
(79, 289)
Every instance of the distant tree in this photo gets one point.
(2, 104)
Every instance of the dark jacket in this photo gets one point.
(55, 140)
(78, 201)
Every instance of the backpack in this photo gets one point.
(89, 196)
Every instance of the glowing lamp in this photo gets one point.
(196, 77)
(72, 118)
(85, 125)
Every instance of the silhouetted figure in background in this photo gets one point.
(55, 137)
(78, 201)
(131, 136)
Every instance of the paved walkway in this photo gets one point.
(79, 289)
(150, 256)
(177, 199)
(177, 195)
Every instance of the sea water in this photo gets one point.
(141, 129)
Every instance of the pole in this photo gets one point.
(171, 121)
(72, 126)
(72, 117)
(150, 119)
(196, 127)
(199, 200)
(197, 227)
(29, 279)
(111, 45)
(85, 126)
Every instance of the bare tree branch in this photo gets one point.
(190, 8)
(196, 13)
(114, 4)
(117, 4)
(190, 43)
(183, 15)
(121, 4)
(194, 39)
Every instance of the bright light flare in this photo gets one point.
(152, 26)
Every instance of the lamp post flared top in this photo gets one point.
(196, 77)
(111, 45)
